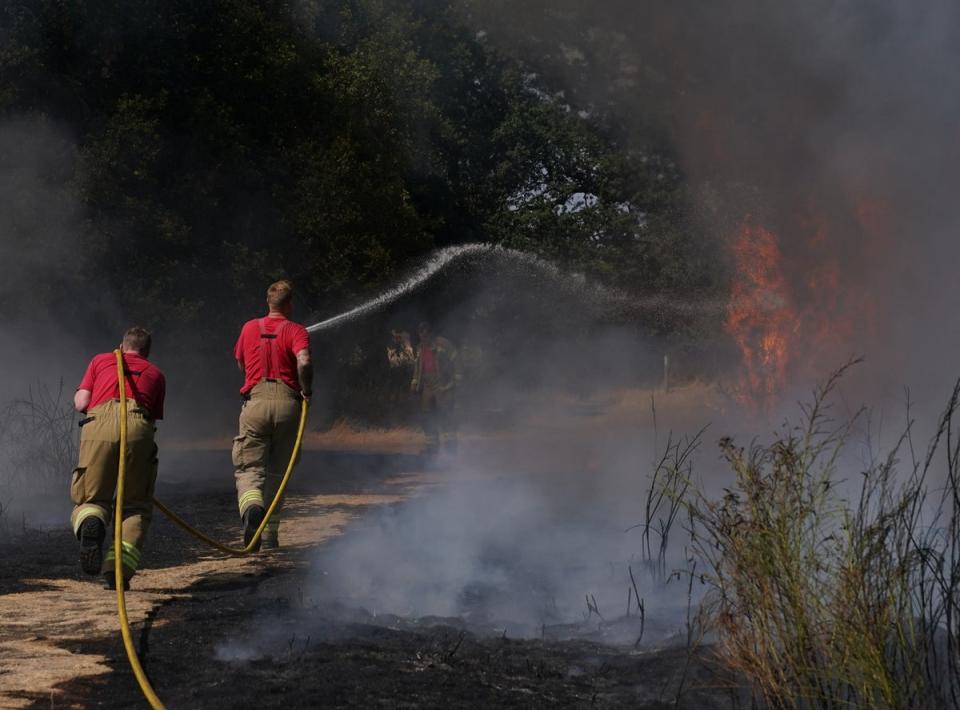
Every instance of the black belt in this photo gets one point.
(86, 420)
(246, 395)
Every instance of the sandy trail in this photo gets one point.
(59, 637)
(43, 628)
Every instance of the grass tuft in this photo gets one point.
(38, 440)
(823, 596)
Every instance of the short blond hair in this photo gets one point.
(280, 293)
(138, 339)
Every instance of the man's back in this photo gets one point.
(144, 381)
(274, 354)
(267, 348)
(94, 480)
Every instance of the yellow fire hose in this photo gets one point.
(241, 551)
(145, 686)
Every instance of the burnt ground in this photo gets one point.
(237, 633)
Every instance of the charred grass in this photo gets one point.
(827, 587)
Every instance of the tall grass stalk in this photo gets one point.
(666, 493)
(38, 439)
(822, 598)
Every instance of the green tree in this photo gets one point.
(225, 142)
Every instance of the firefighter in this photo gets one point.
(400, 353)
(95, 477)
(436, 374)
(274, 354)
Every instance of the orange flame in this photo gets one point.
(760, 315)
(824, 315)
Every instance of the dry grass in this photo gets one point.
(38, 439)
(343, 436)
(820, 601)
(669, 485)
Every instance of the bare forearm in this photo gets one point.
(305, 375)
(305, 372)
(81, 400)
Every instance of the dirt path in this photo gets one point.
(58, 630)
(218, 632)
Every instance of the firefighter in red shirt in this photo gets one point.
(95, 477)
(436, 374)
(274, 355)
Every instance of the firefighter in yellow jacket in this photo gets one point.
(436, 375)
(95, 477)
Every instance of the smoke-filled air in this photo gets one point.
(479, 354)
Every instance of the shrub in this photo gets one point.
(38, 440)
(820, 600)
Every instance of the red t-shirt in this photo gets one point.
(145, 383)
(428, 359)
(271, 353)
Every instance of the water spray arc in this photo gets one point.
(437, 262)
(441, 259)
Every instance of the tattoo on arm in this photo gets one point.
(305, 371)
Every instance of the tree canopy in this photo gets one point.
(225, 142)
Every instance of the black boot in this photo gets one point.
(91, 536)
(271, 541)
(110, 582)
(252, 517)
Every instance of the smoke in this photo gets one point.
(801, 116)
(39, 226)
(516, 540)
(539, 510)
(42, 296)
(831, 124)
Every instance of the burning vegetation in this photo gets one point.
(175, 173)
(760, 317)
(798, 307)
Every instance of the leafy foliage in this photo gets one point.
(226, 142)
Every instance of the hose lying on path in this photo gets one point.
(138, 672)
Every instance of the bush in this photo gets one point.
(823, 601)
(38, 441)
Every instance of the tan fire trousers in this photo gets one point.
(438, 414)
(94, 480)
(269, 421)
